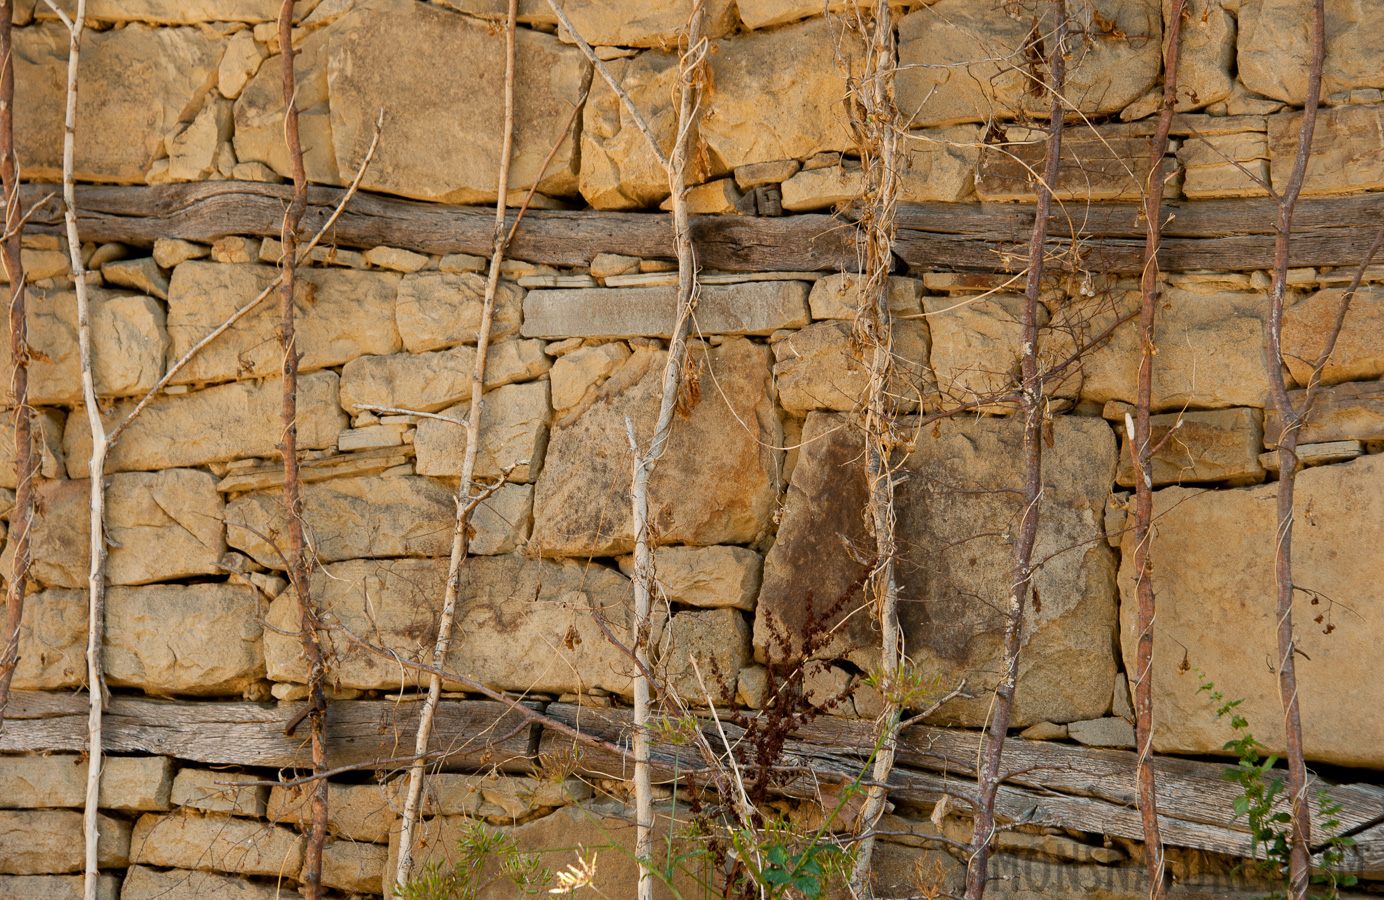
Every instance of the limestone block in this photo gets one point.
(956, 562)
(355, 812)
(715, 198)
(514, 432)
(1359, 351)
(432, 381)
(239, 63)
(975, 345)
(581, 504)
(824, 188)
(766, 173)
(1274, 49)
(618, 169)
(39, 264)
(341, 314)
(40, 842)
(1344, 412)
(128, 344)
(229, 421)
(138, 83)
(350, 866)
(1345, 154)
(939, 164)
(823, 367)
(607, 264)
(436, 310)
(142, 883)
(259, 115)
(173, 12)
(714, 644)
(1213, 445)
(1227, 180)
(52, 640)
(213, 790)
(1108, 731)
(54, 887)
(1206, 54)
(656, 23)
(350, 518)
(214, 651)
(837, 296)
(168, 252)
(128, 783)
(521, 625)
(764, 13)
(189, 840)
(1095, 164)
(141, 275)
(447, 794)
(192, 151)
(575, 374)
(1215, 584)
(395, 259)
(46, 427)
(753, 307)
(963, 62)
(383, 49)
(1210, 352)
(708, 577)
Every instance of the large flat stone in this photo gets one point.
(218, 424)
(513, 433)
(447, 794)
(1345, 412)
(940, 164)
(49, 841)
(190, 840)
(1212, 445)
(380, 53)
(524, 625)
(1345, 149)
(956, 562)
(436, 380)
(708, 577)
(702, 654)
(1104, 163)
(618, 168)
(1274, 49)
(355, 812)
(975, 345)
(1359, 351)
(127, 782)
(46, 430)
(213, 790)
(1206, 53)
(436, 310)
(341, 314)
(55, 887)
(824, 367)
(173, 12)
(963, 61)
(1215, 584)
(259, 114)
(215, 650)
(754, 307)
(354, 867)
(52, 641)
(142, 883)
(718, 479)
(138, 83)
(654, 23)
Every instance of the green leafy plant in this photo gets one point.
(477, 845)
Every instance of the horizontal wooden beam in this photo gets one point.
(1233, 235)
(1057, 785)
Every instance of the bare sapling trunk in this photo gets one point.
(22, 513)
(1301, 834)
(1032, 408)
(875, 126)
(466, 501)
(1141, 446)
(315, 711)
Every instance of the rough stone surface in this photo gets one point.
(1095, 164)
(1345, 157)
(1274, 50)
(716, 483)
(713, 644)
(940, 164)
(437, 310)
(128, 783)
(1345, 412)
(975, 344)
(941, 81)
(1207, 173)
(753, 307)
(190, 840)
(709, 577)
(229, 421)
(138, 83)
(382, 49)
(55, 887)
(1215, 587)
(239, 63)
(575, 375)
(1359, 351)
(1214, 445)
(40, 842)
(259, 115)
(618, 169)
(1210, 352)
(954, 571)
(824, 188)
(506, 604)
(215, 649)
(355, 812)
(192, 151)
(448, 795)
(514, 432)
(1206, 54)
(46, 427)
(213, 790)
(1104, 732)
(128, 344)
(823, 367)
(141, 275)
(341, 314)
(174, 12)
(352, 866)
(143, 883)
(52, 641)
(837, 296)
(432, 381)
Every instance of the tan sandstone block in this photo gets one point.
(239, 63)
(350, 866)
(259, 115)
(128, 783)
(52, 641)
(513, 432)
(577, 372)
(213, 790)
(39, 842)
(709, 577)
(190, 840)
(1359, 351)
(1210, 445)
(1274, 49)
(46, 426)
(1344, 412)
(824, 367)
(55, 887)
(1345, 149)
(701, 654)
(755, 307)
(432, 381)
(1206, 53)
(437, 310)
(355, 812)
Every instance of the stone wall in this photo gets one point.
(757, 502)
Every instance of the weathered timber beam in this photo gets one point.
(1199, 234)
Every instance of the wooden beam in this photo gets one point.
(1230, 235)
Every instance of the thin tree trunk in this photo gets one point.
(988, 778)
(297, 546)
(465, 502)
(1141, 445)
(878, 137)
(22, 514)
(1301, 837)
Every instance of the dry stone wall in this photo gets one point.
(757, 502)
